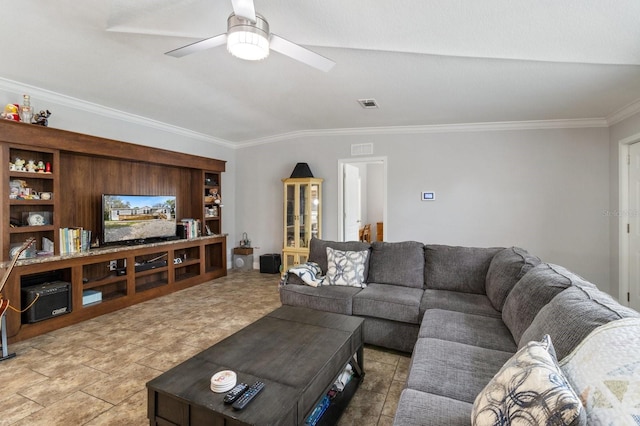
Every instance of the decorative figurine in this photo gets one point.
(216, 197)
(31, 166)
(19, 164)
(42, 118)
(40, 167)
(10, 112)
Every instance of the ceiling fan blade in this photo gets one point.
(207, 43)
(244, 8)
(300, 53)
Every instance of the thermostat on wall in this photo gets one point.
(428, 196)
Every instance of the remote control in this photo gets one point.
(246, 397)
(235, 393)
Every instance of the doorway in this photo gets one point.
(362, 198)
(629, 222)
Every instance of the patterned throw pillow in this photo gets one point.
(346, 267)
(529, 389)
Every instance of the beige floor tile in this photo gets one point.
(378, 376)
(16, 408)
(76, 409)
(16, 380)
(402, 371)
(169, 357)
(123, 384)
(393, 396)
(130, 412)
(113, 361)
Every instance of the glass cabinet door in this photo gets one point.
(302, 218)
(303, 215)
(290, 215)
(315, 211)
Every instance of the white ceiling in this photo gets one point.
(426, 62)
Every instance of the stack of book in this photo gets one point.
(74, 240)
(191, 228)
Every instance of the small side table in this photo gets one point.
(243, 258)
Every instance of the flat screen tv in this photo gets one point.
(128, 219)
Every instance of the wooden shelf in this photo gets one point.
(83, 168)
(30, 175)
(104, 281)
(31, 229)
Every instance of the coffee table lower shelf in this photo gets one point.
(340, 402)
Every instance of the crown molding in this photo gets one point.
(624, 113)
(71, 102)
(434, 128)
(75, 103)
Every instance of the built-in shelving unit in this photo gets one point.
(78, 170)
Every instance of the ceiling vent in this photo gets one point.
(362, 149)
(368, 103)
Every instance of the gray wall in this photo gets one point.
(544, 190)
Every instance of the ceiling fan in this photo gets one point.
(248, 37)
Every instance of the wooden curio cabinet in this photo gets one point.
(302, 218)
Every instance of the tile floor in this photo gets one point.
(94, 373)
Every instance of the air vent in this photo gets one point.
(368, 103)
(362, 149)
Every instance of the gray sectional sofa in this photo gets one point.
(462, 312)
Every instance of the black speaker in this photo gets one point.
(54, 300)
(270, 263)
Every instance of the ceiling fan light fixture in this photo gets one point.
(246, 39)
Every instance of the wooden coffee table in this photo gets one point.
(297, 352)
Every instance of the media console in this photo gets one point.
(142, 273)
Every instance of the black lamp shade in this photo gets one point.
(302, 170)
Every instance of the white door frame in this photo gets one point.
(362, 160)
(622, 216)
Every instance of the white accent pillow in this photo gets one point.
(346, 267)
(529, 389)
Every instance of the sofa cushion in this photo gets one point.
(327, 298)
(461, 269)
(505, 270)
(570, 316)
(417, 408)
(397, 335)
(318, 251)
(453, 369)
(476, 330)
(538, 286)
(346, 267)
(478, 304)
(529, 386)
(397, 263)
(389, 302)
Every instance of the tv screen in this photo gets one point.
(127, 218)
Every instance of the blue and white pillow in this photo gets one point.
(530, 389)
(346, 267)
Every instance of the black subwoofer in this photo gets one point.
(270, 263)
(54, 300)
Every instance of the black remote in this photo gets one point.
(235, 393)
(248, 396)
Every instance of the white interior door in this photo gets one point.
(351, 202)
(634, 226)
